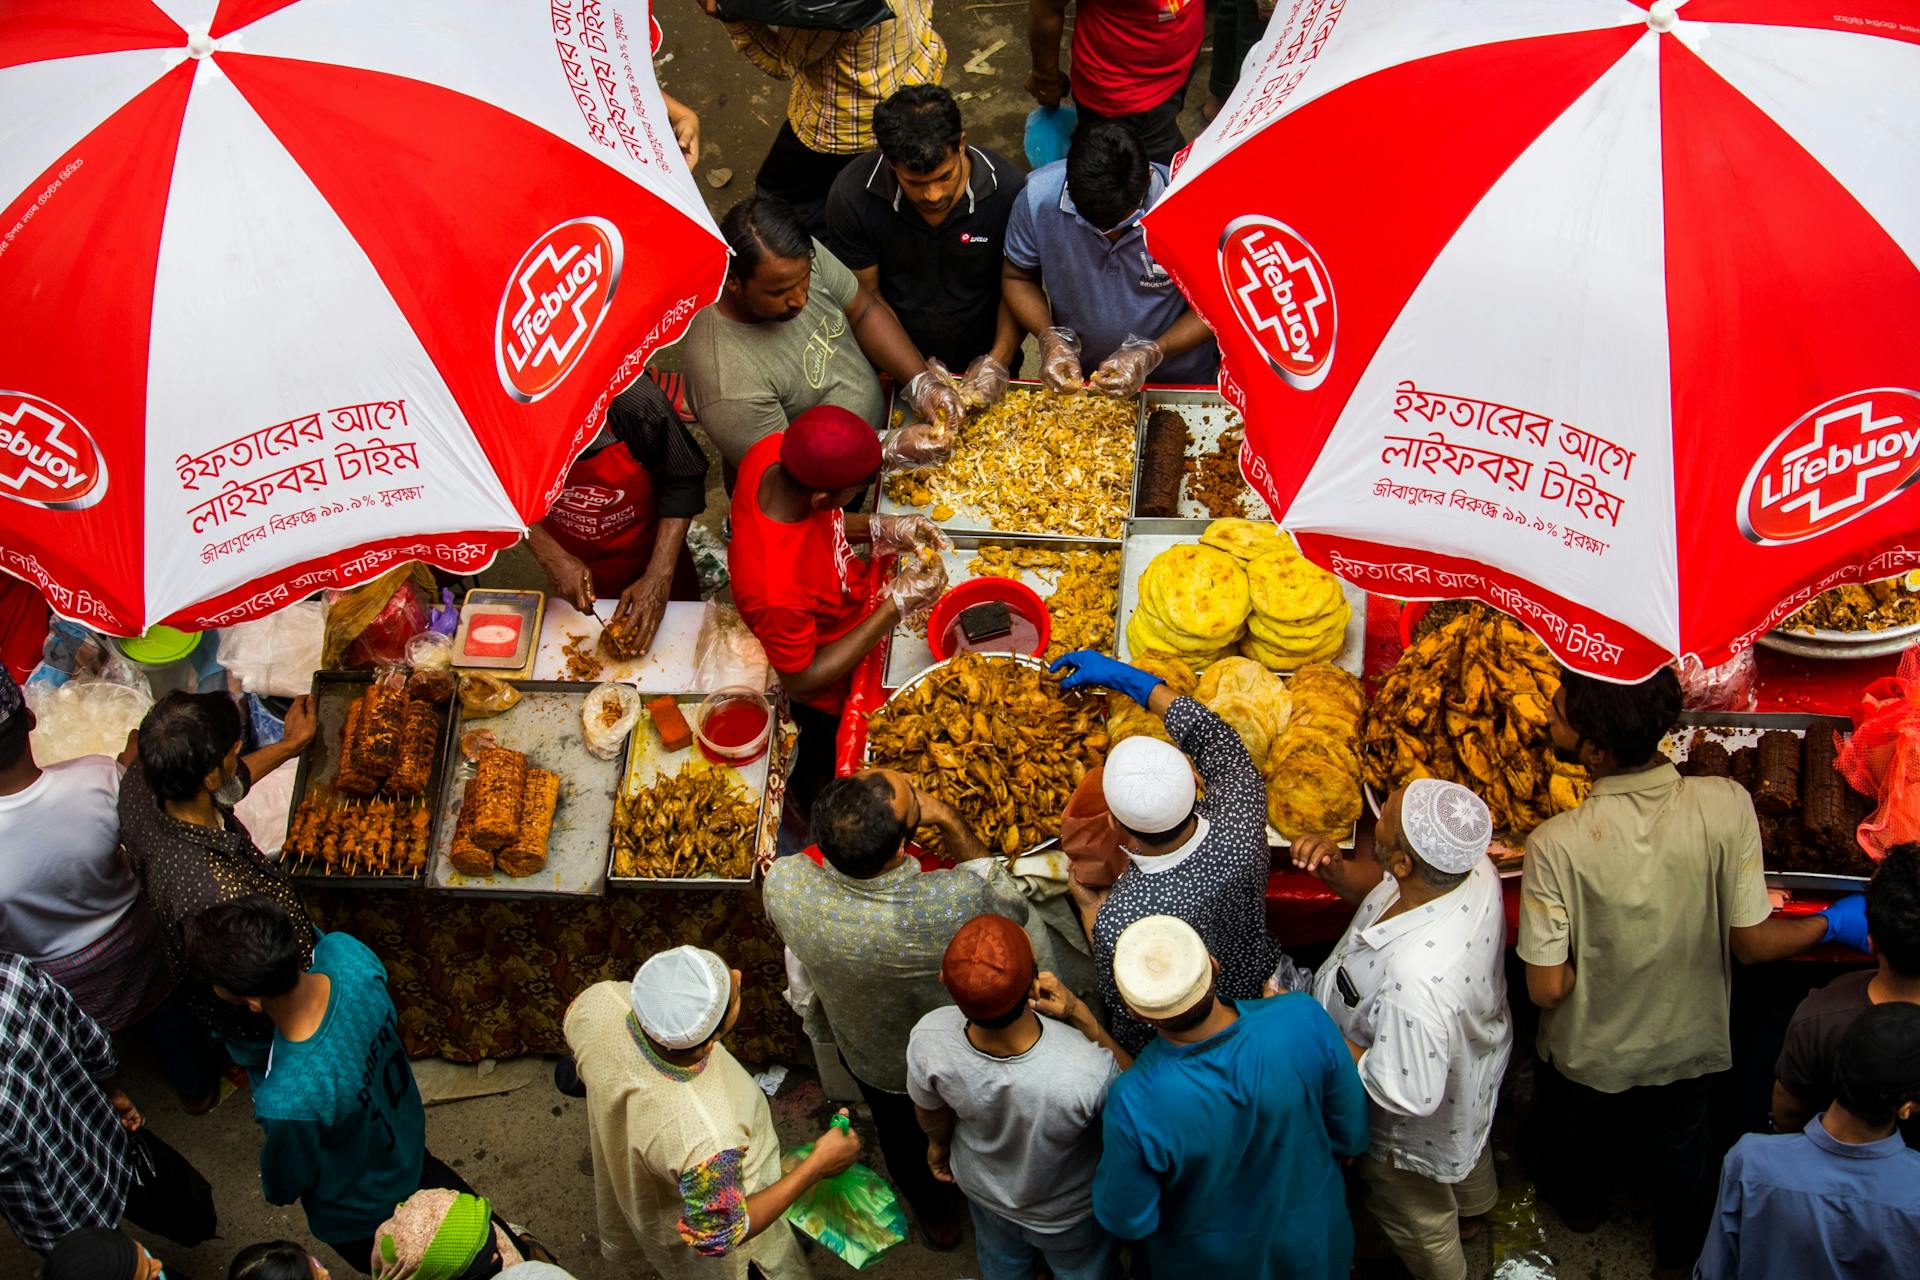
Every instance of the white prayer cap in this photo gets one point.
(1446, 824)
(1161, 966)
(680, 996)
(1148, 785)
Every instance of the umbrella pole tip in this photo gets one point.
(1662, 16)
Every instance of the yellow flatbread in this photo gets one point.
(1302, 639)
(1278, 660)
(1198, 590)
(1287, 588)
(1246, 539)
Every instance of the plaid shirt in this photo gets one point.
(839, 77)
(65, 1159)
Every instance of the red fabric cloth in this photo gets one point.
(23, 626)
(606, 516)
(1131, 55)
(798, 586)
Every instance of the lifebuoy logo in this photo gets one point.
(1280, 289)
(553, 304)
(588, 497)
(1841, 460)
(47, 459)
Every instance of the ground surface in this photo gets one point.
(527, 1149)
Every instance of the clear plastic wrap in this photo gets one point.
(607, 716)
(918, 444)
(727, 652)
(1060, 360)
(278, 654)
(1731, 686)
(1123, 373)
(919, 580)
(984, 383)
(935, 396)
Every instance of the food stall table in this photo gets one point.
(491, 977)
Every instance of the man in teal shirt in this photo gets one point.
(1221, 1145)
(345, 1128)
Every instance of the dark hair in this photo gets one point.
(1878, 1069)
(855, 826)
(184, 738)
(1626, 721)
(762, 227)
(271, 1260)
(1433, 877)
(1190, 1018)
(918, 127)
(1107, 173)
(248, 945)
(1893, 910)
(14, 739)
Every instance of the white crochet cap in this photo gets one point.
(1148, 785)
(1161, 966)
(1447, 825)
(681, 995)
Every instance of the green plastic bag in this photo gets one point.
(854, 1215)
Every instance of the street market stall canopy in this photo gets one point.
(298, 291)
(1604, 313)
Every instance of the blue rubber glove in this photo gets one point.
(1847, 921)
(1089, 669)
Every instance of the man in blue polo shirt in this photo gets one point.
(1079, 278)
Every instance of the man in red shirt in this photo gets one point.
(799, 585)
(1131, 62)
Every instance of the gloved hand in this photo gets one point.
(1123, 373)
(1090, 669)
(984, 382)
(1847, 921)
(1060, 360)
(935, 397)
(919, 579)
(906, 533)
(918, 444)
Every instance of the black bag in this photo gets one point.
(819, 15)
(167, 1195)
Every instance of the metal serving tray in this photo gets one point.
(333, 692)
(1735, 729)
(1208, 416)
(545, 724)
(647, 759)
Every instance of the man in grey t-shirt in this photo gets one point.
(1011, 1105)
(791, 330)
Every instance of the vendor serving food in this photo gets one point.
(799, 585)
(620, 524)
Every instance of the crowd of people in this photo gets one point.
(1116, 1072)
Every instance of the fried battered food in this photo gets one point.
(410, 775)
(1246, 540)
(494, 796)
(698, 822)
(1086, 590)
(526, 853)
(1470, 702)
(387, 744)
(1245, 590)
(996, 739)
(1251, 699)
(1313, 767)
(1128, 719)
(1038, 461)
(1872, 606)
(581, 665)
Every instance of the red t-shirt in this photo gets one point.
(798, 586)
(1131, 55)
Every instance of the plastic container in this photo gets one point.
(943, 627)
(733, 726)
(165, 656)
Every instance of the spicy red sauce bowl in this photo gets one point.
(943, 627)
(733, 726)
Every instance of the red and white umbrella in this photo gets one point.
(1604, 313)
(298, 291)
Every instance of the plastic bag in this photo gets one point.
(853, 1215)
(278, 654)
(1882, 759)
(1519, 1238)
(1049, 131)
(1731, 686)
(371, 624)
(820, 15)
(431, 656)
(85, 715)
(607, 716)
(728, 653)
(482, 695)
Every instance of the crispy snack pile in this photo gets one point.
(1038, 461)
(377, 837)
(1214, 480)
(996, 739)
(1470, 703)
(1244, 589)
(1086, 590)
(1313, 766)
(693, 823)
(1874, 606)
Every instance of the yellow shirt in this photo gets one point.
(1638, 888)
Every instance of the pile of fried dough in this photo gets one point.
(1243, 589)
(1470, 703)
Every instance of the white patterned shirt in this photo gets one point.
(1430, 1009)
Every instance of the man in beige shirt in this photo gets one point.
(686, 1163)
(1630, 907)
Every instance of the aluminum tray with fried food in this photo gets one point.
(1869, 607)
(696, 823)
(1085, 596)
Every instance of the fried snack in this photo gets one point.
(1871, 606)
(468, 858)
(382, 720)
(335, 836)
(698, 822)
(1246, 540)
(494, 796)
(1086, 590)
(620, 639)
(1313, 767)
(996, 739)
(526, 853)
(1470, 702)
(1214, 480)
(1128, 719)
(581, 665)
(1037, 460)
(352, 778)
(410, 775)
(1251, 699)
(1776, 787)
(1163, 464)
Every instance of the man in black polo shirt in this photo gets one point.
(921, 221)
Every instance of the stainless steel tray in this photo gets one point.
(545, 724)
(333, 691)
(1879, 644)
(647, 758)
(1743, 729)
(1208, 416)
(908, 652)
(1148, 538)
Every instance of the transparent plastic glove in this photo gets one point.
(1060, 360)
(919, 579)
(935, 397)
(984, 382)
(906, 534)
(1123, 373)
(918, 444)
